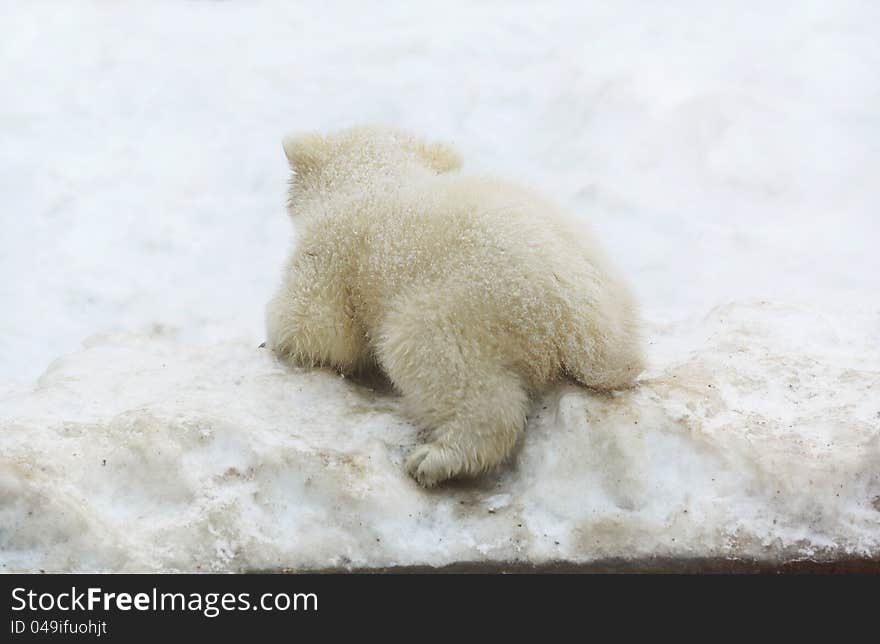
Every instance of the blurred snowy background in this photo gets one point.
(721, 150)
(726, 153)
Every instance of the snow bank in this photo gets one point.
(146, 453)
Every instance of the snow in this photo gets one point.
(726, 156)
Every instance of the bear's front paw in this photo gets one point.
(432, 463)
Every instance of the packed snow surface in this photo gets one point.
(726, 155)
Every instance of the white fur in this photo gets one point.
(467, 292)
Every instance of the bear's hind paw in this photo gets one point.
(432, 463)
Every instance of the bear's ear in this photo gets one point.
(306, 152)
(441, 157)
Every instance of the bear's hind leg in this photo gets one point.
(313, 328)
(604, 370)
(480, 434)
(475, 407)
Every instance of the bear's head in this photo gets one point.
(357, 156)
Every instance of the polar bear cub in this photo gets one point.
(469, 293)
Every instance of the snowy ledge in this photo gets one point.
(755, 435)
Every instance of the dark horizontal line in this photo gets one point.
(658, 565)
